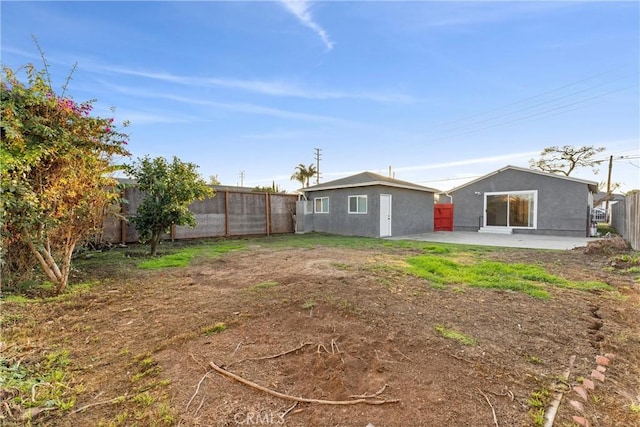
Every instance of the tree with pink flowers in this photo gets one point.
(57, 162)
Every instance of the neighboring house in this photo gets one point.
(603, 207)
(366, 204)
(600, 199)
(520, 200)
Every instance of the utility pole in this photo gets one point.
(606, 206)
(318, 150)
(241, 178)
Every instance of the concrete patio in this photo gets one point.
(504, 240)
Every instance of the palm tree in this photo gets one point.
(304, 173)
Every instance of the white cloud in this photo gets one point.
(263, 87)
(482, 160)
(301, 10)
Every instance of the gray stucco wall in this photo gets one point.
(562, 204)
(411, 212)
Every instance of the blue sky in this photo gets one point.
(440, 91)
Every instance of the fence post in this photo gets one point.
(123, 220)
(267, 212)
(226, 213)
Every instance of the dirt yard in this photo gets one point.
(344, 325)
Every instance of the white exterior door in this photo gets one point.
(385, 215)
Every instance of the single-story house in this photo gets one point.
(366, 204)
(520, 200)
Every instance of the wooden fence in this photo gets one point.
(229, 213)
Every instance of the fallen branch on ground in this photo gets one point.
(104, 402)
(197, 390)
(285, 413)
(368, 396)
(273, 356)
(493, 411)
(403, 355)
(237, 347)
(299, 399)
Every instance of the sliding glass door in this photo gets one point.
(511, 209)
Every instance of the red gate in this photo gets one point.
(443, 217)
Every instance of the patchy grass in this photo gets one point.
(263, 285)
(43, 383)
(537, 402)
(184, 256)
(134, 390)
(308, 305)
(45, 292)
(214, 329)
(312, 240)
(454, 335)
(519, 277)
(180, 259)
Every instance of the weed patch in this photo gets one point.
(32, 385)
(537, 402)
(308, 305)
(454, 335)
(264, 285)
(214, 329)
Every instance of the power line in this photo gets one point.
(533, 106)
(522, 101)
(540, 106)
(540, 114)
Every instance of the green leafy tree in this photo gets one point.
(275, 188)
(564, 160)
(168, 189)
(303, 174)
(56, 174)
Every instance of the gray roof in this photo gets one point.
(593, 186)
(366, 179)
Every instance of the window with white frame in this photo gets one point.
(357, 204)
(321, 205)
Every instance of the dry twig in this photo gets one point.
(273, 356)
(298, 399)
(403, 355)
(508, 393)
(33, 390)
(365, 396)
(198, 363)
(322, 345)
(285, 413)
(197, 390)
(234, 351)
(493, 411)
(200, 406)
(104, 402)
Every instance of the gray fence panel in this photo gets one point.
(227, 214)
(247, 214)
(631, 231)
(282, 211)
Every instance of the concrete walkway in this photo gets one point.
(504, 240)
